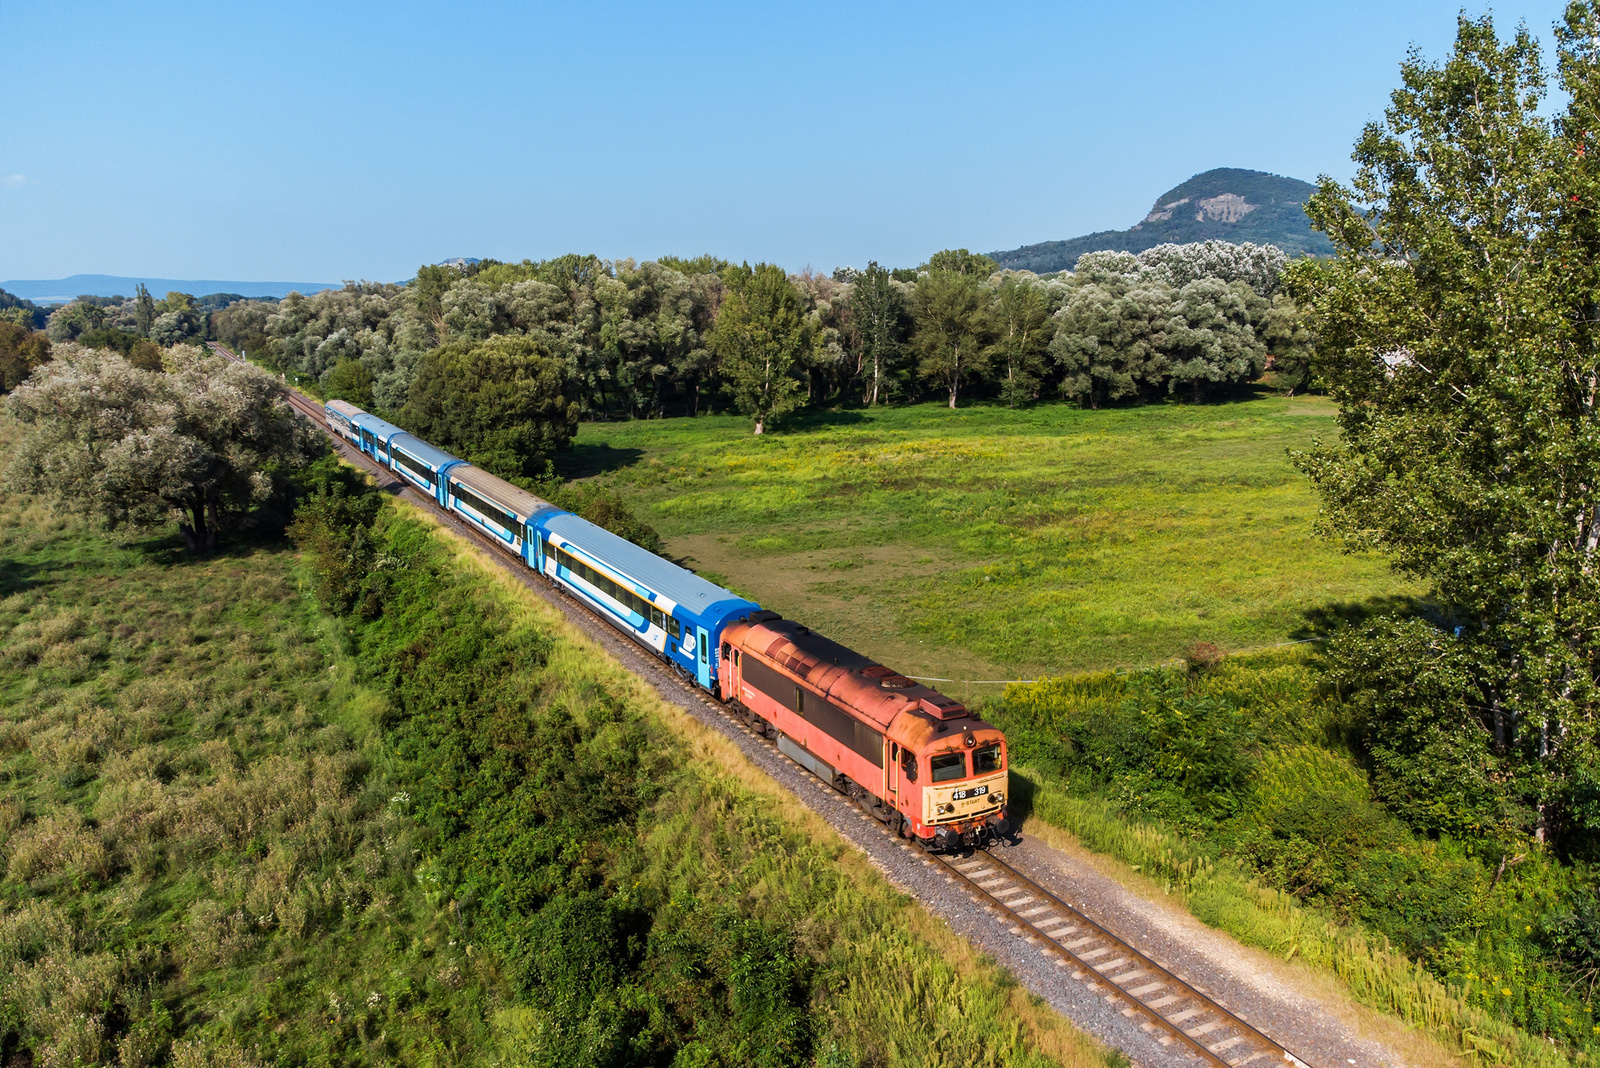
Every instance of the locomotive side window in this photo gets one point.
(673, 628)
(947, 766)
(908, 765)
(986, 760)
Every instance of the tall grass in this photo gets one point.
(988, 543)
(221, 846)
(1230, 789)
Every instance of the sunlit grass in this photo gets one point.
(988, 540)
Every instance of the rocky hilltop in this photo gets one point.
(1226, 203)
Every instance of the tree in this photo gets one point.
(134, 448)
(1110, 337)
(349, 380)
(1458, 331)
(21, 350)
(506, 404)
(1211, 339)
(762, 336)
(960, 261)
(953, 328)
(879, 313)
(1291, 346)
(1022, 334)
(144, 310)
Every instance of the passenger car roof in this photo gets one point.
(695, 594)
(422, 450)
(500, 491)
(344, 408)
(378, 427)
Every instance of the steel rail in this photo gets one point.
(1216, 1034)
(1169, 1003)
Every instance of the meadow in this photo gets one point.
(240, 825)
(988, 543)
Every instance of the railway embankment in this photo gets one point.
(1300, 1008)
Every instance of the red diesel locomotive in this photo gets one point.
(920, 761)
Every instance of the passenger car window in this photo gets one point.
(986, 759)
(908, 765)
(947, 766)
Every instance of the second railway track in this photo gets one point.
(1180, 1017)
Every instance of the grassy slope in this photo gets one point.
(994, 544)
(203, 840)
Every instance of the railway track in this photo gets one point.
(1178, 1015)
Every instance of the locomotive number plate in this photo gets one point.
(962, 795)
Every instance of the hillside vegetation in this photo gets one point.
(996, 544)
(423, 825)
(1226, 204)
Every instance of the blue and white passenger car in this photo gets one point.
(341, 419)
(496, 507)
(423, 465)
(661, 605)
(373, 435)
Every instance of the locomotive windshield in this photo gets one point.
(947, 766)
(986, 760)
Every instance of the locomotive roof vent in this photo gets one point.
(877, 671)
(896, 682)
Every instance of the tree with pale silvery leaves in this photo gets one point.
(762, 337)
(1110, 333)
(1457, 330)
(1258, 266)
(133, 448)
(1211, 338)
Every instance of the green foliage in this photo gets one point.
(1466, 450)
(1021, 321)
(960, 261)
(953, 329)
(21, 350)
(881, 319)
(203, 444)
(505, 404)
(220, 848)
(349, 380)
(762, 337)
(1247, 762)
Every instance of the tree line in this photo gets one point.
(681, 337)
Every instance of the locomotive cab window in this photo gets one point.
(986, 760)
(908, 765)
(947, 766)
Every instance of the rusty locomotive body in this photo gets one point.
(920, 761)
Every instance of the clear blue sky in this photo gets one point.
(311, 142)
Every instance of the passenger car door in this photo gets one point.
(702, 651)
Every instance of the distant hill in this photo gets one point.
(1227, 203)
(109, 285)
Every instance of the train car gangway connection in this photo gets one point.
(1176, 1013)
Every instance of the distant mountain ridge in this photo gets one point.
(111, 285)
(1227, 203)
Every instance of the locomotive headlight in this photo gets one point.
(999, 798)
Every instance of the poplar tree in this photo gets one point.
(1459, 333)
(762, 335)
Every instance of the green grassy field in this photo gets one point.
(236, 830)
(987, 543)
